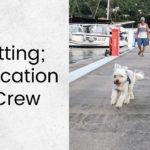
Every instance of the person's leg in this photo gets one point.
(139, 45)
(140, 48)
(144, 46)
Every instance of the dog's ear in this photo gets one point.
(117, 66)
(124, 67)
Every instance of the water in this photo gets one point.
(78, 54)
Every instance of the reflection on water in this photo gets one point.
(78, 54)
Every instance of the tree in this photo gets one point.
(87, 9)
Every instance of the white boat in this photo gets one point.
(95, 35)
(92, 35)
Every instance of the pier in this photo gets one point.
(95, 124)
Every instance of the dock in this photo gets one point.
(95, 124)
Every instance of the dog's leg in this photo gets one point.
(127, 99)
(114, 97)
(121, 100)
(131, 92)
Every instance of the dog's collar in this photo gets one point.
(128, 79)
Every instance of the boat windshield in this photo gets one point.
(101, 29)
(75, 29)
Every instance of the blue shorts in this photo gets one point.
(142, 41)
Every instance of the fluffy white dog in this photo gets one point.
(124, 81)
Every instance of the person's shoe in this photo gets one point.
(139, 53)
(142, 55)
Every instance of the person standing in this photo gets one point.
(142, 36)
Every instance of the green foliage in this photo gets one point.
(87, 9)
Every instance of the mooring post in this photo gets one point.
(115, 42)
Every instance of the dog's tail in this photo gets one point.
(139, 76)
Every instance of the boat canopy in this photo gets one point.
(80, 20)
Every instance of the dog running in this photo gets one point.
(124, 81)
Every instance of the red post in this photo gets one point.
(115, 42)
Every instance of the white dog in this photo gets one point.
(124, 81)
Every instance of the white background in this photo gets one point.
(36, 24)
